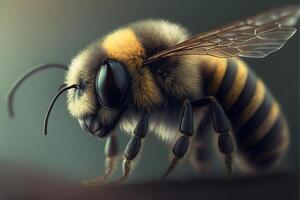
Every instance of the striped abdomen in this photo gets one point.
(258, 125)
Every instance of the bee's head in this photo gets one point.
(108, 74)
(102, 90)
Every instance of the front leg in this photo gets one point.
(134, 145)
(111, 161)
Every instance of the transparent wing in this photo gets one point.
(255, 37)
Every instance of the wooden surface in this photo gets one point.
(25, 184)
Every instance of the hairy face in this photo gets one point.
(107, 73)
(97, 102)
(83, 71)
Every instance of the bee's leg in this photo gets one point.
(111, 161)
(222, 127)
(182, 144)
(200, 155)
(134, 145)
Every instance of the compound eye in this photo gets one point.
(111, 84)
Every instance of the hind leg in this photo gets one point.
(199, 156)
(221, 126)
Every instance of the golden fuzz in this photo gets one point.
(147, 94)
(124, 46)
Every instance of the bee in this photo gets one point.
(151, 76)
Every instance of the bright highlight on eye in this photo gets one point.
(111, 84)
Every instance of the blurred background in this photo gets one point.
(34, 32)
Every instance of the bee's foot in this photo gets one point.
(96, 181)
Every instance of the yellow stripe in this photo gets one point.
(146, 94)
(237, 86)
(124, 46)
(220, 69)
(264, 127)
(254, 104)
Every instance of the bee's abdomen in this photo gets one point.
(259, 126)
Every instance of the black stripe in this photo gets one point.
(265, 164)
(153, 42)
(266, 145)
(269, 142)
(150, 37)
(250, 126)
(244, 99)
(227, 81)
(207, 79)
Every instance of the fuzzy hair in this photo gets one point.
(84, 68)
(180, 77)
(86, 103)
(130, 46)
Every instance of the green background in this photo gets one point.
(33, 32)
